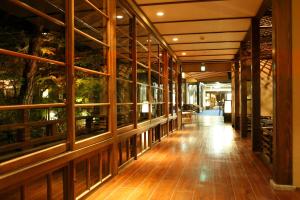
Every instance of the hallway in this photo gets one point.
(203, 161)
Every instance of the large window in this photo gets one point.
(156, 79)
(125, 106)
(143, 105)
(91, 68)
(32, 76)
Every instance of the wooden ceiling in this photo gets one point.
(206, 30)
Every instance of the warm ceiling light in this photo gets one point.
(120, 16)
(160, 14)
(183, 53)
(175, 39)
(160, 54)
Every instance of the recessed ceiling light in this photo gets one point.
(160, 54)
(160, 14)
(183, 53)
(175, 39)
(120, 16)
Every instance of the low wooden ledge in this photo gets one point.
(276, 186)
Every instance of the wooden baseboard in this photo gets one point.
(276, 186)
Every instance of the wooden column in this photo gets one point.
(236, 96)
(255, 77)
(282, 70)
(198, 95)
(243, 90)
(111, 34)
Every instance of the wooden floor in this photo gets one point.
(206, 160)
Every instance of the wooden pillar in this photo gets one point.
(255, 77)
(198, 96)
(282, 70)
(111, 34)
(236, 96)
(243, 90)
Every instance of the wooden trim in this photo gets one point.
(205, 49)
(89, 71)
(176, 2)
(230, 54)
(92, 140)
(23, 161)
(32, 106)
(209, 32)
(201, 20)
(209, 42)
(283, 102)
(111, 34)
(134, 8)
(97, 9)
(31, 57)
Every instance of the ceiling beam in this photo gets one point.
(206, 49)
(175, 2)
(210, 32)
(206, 55)
(204, 42)
(201, 20)
(209, 67)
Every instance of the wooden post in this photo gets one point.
(236, 96)
(70, 177)
(282, 70)
(255, 73)
(243, 91)
(198, 96)
(111, 35)
(134, 69)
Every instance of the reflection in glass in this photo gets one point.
(91, 121)
(24, 32)
(125, 115)
(124, 91)
(90, 21)
(90, 55)
(143, 112)
(142, 93)
(142, 75)
(91, 88)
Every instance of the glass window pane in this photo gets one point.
(91, 121)
(142, 93)
(154, 79)
(24, 32)
(25, 81)
(90, 55)
(154, 63)
(124, 115)
(142, 75)
(143, 112)
(124, 91)
(91, 88)
(90, 21)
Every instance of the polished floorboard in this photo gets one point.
(206, 160)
